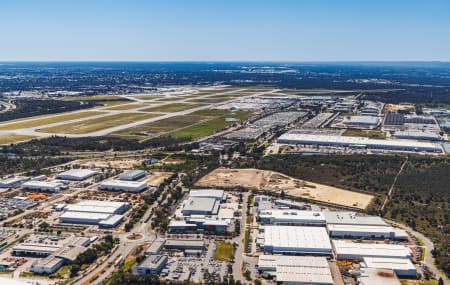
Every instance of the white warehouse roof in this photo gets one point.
(292, 217)
(363, 120)
(357, 250)
(208, 193)
(343, 141)
(125, 185)
(293, 239)
(352, 218)
(396, 264)
(298, 269)
(76, 174)
(42, 184)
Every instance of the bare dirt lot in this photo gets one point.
(273, 181)
(157, 178)
(116, 163)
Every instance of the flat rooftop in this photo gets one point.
(293, 215)
(352, 218)
(201, 204)
(294, 238)
(371, 249)
(389, 263)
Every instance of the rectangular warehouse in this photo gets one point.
(76, 174)
(365, 232)
(346, 250)
(201, 206)
(132, 175)
(301, 270)
(352, 218)
(43, 186)
(152, 264)
(292, 218)
(359, 142)
(209, 193)
(123, 185)
(296, 240)
(403, 267)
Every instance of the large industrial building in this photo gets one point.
(209, 193)
(352, 218)
(123, 185)
(152, 264)
(292, 218)
(132, 175)
(359, 143)
(76, 174)
(44, 186)
(364, 232)
(295, 240)
(346, 250)
(362, 121)
(103, 213)
(298, 270)
(11, 182)
(201, 206)
(403, 267)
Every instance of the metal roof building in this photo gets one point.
(359, 142)
(43, 186)
(76, 174)
(357, 231)
(183, 244)
(352, 218)
(296, 240)
(208, 193)
(201, 206)
(292, 218)
(375, 276)
(403, 267)
(132, 175)
(11, 182)
(363, 121)
(296, 269)
(346, 250)
(152, 264)
(123, 185)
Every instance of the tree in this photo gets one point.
(441, 281)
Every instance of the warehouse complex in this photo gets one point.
(76, 174)
(44, 186)
(123, 185)
(296, 269)
(102, 213)
(359, 143)
(347, 250)
(292, 218)
(294, 240)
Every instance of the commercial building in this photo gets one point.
(293, 240)
(11, 182)
(364, 232)
(123, 185)
(362, 121)
(299, 270)
(352, 218)
(359, 143)
(208, 193)
(47, 265)
(417, 135)
(156, 246)
(292, 218)
(291, 204)
(43, 186)
(103, 213)
(76, 174)
(184, 244)
(132, 175)
(375, 276)
(201, 206)
(152, 264)
(198, 224)
(346, 250)
(403, 267)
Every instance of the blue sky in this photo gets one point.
(224, 30)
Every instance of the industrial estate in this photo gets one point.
(198, 184)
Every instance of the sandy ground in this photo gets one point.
(273, 181)
(157, 178)
(118, 163)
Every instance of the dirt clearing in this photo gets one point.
(256, 179)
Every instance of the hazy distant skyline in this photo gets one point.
(224, 30)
